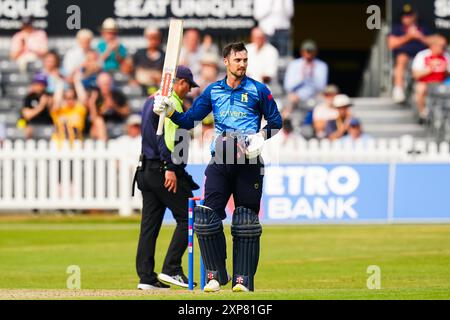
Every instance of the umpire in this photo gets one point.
(164, 184)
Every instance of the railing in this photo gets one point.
(377, 77)
(46, 176)
(94, 175)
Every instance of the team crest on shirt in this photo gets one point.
(244, 97)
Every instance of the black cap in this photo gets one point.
(407, 10)
(185, 73)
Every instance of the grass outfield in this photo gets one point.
(297, 262)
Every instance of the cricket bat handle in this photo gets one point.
(160, 130)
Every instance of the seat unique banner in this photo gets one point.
(133, 16)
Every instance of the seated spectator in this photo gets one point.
(35, 110)
(131, 141)
(192, 52)
(430, 66)
(112, 52)
(305, 77)
(262, 58)
(405, 40)
(28, 45)
(69, 111)
(90, 69)
(76, 56)
(355, 133)
(325, 111)
(209, 73)
(338, 128)
(52, 71)
(127, 72)
(208, 45)
(109, 103)
(149, 62)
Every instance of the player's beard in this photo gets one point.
(239, 74)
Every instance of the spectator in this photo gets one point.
(325, 111)
(127, 71)
(108, 102)
(430, 66)
(36, 105)
(149, 62)
(68, 111)
(90, 68)
(112, 52)
(355, 133)
(405, 40)
(28, 45)
(209, 73)
(338, 128)
(131, 141)
(52, 71)
(76, 56)
(274, 18)
(262, 58)
(305, 77)
(192, 52)
(208, 46)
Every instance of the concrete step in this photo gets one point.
(394, 130)
(372, 101)
(388, 116)
(381, 107)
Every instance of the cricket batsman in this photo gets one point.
(238, 104)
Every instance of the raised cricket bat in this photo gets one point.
(173, 48)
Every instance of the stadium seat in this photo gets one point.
(120, 79)
(137, 104)
(115, 130)
(43, 132)
(16, 91)
(9, 118)
(17, 79)
(132, 91)
(14, 133)
(5, 105)
(7, 66)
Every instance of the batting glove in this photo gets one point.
(163, 104)
(255, 143)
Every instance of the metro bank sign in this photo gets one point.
(325, 192)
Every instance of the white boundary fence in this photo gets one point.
(94, 175)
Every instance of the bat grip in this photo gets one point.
(162, 117)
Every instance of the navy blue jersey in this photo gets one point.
(235, 110)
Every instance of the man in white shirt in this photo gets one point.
(262, 58)
(274, 18)
(76, 56)
(305, 77)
